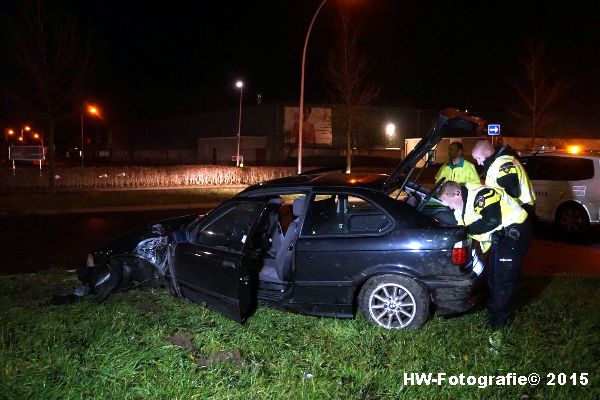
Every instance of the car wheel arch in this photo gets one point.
(572, 204)
(384, 270)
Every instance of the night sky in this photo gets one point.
(170, 58)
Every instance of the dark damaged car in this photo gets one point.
(316, 244)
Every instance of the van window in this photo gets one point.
(553, 168)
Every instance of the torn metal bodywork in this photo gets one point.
(142, 257)
(154, 251)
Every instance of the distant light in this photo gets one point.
(390, 130)
(352, 180)
(92, 110)
(20, 139)
(27, 128)
(36, 136)
(239, 84)
(573, 149)
(11, 132)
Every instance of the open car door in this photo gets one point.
(212, 266)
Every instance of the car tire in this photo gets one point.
(394, 302)
(100, 291)
(572, 218)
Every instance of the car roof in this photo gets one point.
(361, 180)
(558, 153)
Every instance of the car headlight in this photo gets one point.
(90, 261)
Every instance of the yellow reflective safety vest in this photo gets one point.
(504, 165)
(512, 212)
(463, 172)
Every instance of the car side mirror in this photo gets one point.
(158, 229)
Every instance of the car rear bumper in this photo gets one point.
(454, 296)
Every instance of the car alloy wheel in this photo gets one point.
(392, 306)
(394, 302)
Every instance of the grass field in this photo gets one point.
(122, 349)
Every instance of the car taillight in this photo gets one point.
(459, 255)
(460, 252)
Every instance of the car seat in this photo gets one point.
(278, 269)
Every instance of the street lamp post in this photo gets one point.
(91, 110)
(301, 113)
(8, 132)
(81, 150)
(240, 85)
(24, 128)
(39, 137)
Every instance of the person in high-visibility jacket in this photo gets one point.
(500, 225)
(503, 170)
(457, 169)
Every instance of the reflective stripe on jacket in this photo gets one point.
(512, 212)
(508, 164)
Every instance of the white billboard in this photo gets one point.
(316, 127)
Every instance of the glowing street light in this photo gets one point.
(239, 85)
(39, 137)
(8, 132)
(24, 128)
(390, 130)
(92, 110)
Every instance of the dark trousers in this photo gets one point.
(504, 272)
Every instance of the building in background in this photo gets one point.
(268, 135)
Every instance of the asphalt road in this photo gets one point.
(34, 243)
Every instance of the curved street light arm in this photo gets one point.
(301, 113)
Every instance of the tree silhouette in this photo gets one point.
(348, 73)
(53, 58)
(539, 91)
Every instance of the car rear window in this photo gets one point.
(554, 168)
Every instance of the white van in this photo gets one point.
(567, 187)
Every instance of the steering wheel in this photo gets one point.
(429, 195)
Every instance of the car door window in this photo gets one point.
(230, 229)
(341, 214)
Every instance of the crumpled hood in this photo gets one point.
(128, 243)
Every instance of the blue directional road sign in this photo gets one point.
(493, 129)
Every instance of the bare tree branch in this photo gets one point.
(538, 92)
(53, 59)
(348, 72)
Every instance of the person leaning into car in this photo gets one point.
(457, 169)
(503, 170)
(500, 225)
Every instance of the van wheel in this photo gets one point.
(394, 302)
(572, 218)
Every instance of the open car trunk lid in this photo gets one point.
(449, 120)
